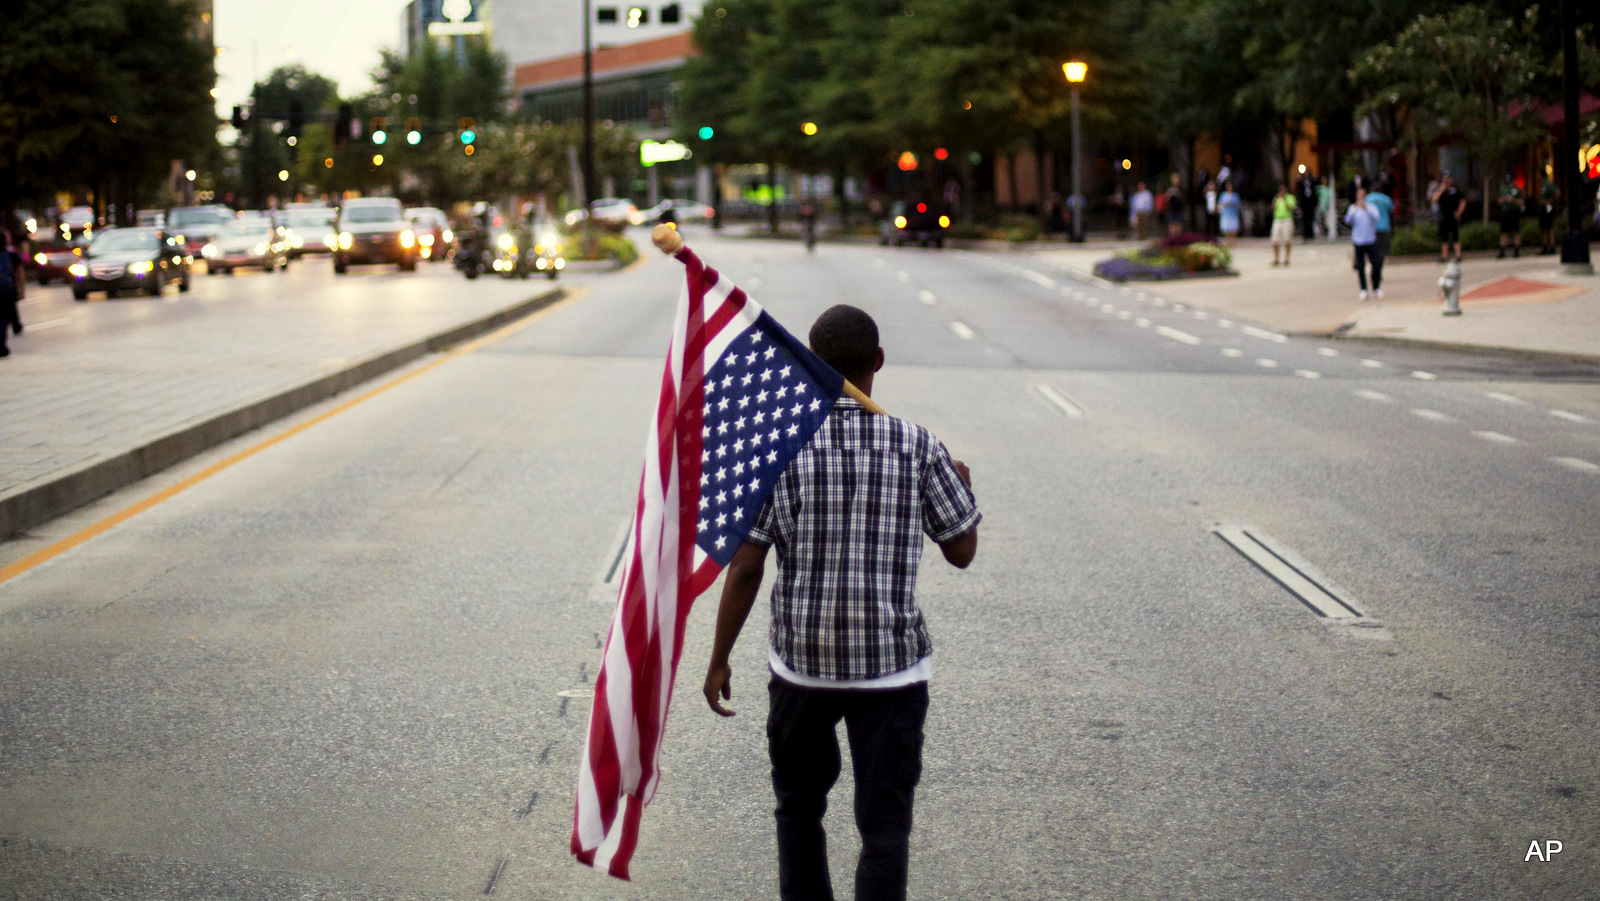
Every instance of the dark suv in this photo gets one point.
(374, 230)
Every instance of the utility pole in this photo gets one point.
(588, 111)
(1574, 246)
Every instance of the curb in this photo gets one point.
(1486, 350)
(28, 507)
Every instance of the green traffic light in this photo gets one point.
(468, 136)
(379, 136)
(706, 132)
(413, 137)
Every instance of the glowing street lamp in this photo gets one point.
(810, 128)
(1076, 72)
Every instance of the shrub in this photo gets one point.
(1183, 239)
(1018, 234)
(601, 244)
(1479, 236)
(1121, 269)
(1418, 239)
(966, 230)
(1201, 256)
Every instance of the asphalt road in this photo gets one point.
(334, 669)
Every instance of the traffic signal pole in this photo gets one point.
(1574, 246)
(588, 111)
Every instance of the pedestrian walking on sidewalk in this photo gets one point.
(1307, 191)
(1548, 194)
(1512, 206)
(1140, 208)
(1363, 222)
(848, 641)
(1452, 204)
(1382, 204)
(1283, 207)
(1228, 214)
(1175, 207)
(1211, 209)
(1328, 208)
(13, 286)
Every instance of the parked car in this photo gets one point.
(151, 219)
(374, 230)
(434, 237)
(307, 229)
(138, 258)
(193, 226)
(680, 210)
(914, 222)
(246, 242)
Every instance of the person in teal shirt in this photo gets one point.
(1383, 206)
(1326, 209)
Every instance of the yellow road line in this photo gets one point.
(129, 512)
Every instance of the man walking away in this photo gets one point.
(1512, 205)
(1452, 205)
(1382, 204)
(13, 285)
(1140, 207)
(847, 639)
(1548, 195)
(1363, 222)
(1283, 207)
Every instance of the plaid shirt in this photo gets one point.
(847, 517)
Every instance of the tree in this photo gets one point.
(1464, 73)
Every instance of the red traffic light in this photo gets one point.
(922, 208)
(939, 153)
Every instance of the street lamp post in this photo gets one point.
(588, 114)
(1574, 246)
(1076, 72)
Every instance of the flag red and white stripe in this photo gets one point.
(663, 571)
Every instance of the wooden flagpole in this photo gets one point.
(667, 238)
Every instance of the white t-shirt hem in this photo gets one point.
(917, 672)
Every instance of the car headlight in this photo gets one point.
(425, 240)
(549, 238)
(78, 269)
(505, 241)
(899, 222)
(560, 263)
(449, 236)
(540, 263)
(40, 258)
(345, 240)
(209, 251)
(331, 240)
(32, 225)
(261, 249)
(141, 267)
(408, 238)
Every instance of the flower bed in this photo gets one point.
(1175, 256)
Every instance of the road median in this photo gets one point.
(41, 500)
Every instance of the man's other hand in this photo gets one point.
(719, 683)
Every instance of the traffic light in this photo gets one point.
(413, 131)
(379, 135)
(342, 124)
(706, 132)
(238, 117)
(297, 117)
(466, 123)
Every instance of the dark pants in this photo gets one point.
(1368, 253)
(9, 317)
(885, 731)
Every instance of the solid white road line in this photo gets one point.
(1174, 334)
(1038, 278)
(1232, 352)
(1061, 401)
(1559, 414)
(1142, 322)
(1308, 373)
(1284, 566)
(962, 331)
(1573, 463)
(1265, 363)
(1503, 397)
(1496, 437)
(1424, 376)
(1372, 364)
(1327, 352)
(1379, 396)
(1432, 415)
(1263, 334)
(927, 297)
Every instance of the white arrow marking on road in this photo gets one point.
(1232, 352)
(1040, 279)
(1425, 376)
(962, 331)
(1265, 363)
(1378, 396)
(1066, 404)
(1308, 373)
(1327, 352)
(1503, 397)
(926, 297)
(1562, 414)
(1496, 437)
(1575, 464)
(1432, 415)
(1174, 334)
(1372, 364)
(1262, 333)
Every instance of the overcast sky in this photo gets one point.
(338, 38)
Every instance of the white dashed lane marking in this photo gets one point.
(1142, 322)
(1107, 308)
(1571, 417)
(1263, 334)
(1265, 363)
(1061, 401)
(1424, 376)
(1372, 364)
(1503, 397)
(962, 331)
(927, 297)
(1232, 352)
(1327, 352)
(1169, 332)
(1225, 323)
(1308, 373)
(1124, 314)
(1043, 281)
(1496, 437)
(1573, 463)
(1378, 396)
(1432, 415)
(903, 276)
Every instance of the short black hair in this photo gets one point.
(846, 338)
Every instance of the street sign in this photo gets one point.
(652, 152)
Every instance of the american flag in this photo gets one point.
(740, 397)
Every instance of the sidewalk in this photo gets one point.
(1542, 312)
(99, 395)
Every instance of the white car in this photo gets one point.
(682, 211)
(606, 209)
